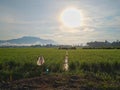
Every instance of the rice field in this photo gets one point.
(18, 63)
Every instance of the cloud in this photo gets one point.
(96, 13)
(100, 21)
(16, 20)
(69, 36)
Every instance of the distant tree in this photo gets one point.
(105, 44)
(116, 43)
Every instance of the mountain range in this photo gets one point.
(26, 40)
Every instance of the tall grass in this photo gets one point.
(21, 62)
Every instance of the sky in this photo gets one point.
(100, 20)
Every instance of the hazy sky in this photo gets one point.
(41, 18)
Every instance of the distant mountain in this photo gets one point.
(27, 40)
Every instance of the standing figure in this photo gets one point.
(40, 61)
(65, 66)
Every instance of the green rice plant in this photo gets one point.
(21, 62)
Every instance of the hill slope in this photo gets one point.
(26, 40)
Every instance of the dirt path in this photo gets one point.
(56, 82)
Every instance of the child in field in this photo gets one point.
(40, 61)
(65, 65)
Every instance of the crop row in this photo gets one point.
(17, 63)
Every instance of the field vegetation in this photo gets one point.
(20, 63)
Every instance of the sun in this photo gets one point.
(70, 17)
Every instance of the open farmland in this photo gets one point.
(94, 65)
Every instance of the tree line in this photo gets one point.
(106, 44)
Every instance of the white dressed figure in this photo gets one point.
(40, 61)
(65, 66)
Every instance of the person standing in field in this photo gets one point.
(40, 61)
(65, 66)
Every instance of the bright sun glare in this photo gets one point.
(71, 17)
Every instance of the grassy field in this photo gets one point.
(19, 63)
